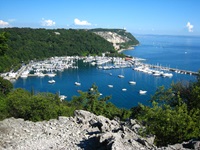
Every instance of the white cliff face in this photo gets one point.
(113, 37)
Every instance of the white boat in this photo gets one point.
(167, 75)
(156, 74)
(124, 89)
(142, 92)
(120, 76)
(24, 76)
(52, 81)
(62, 97)
(77, 83)
(110, 86)
(132, 82)
(40, 74)
(51, 74)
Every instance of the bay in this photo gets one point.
(172, 51)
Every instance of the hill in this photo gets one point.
(120, 38)
(27, 44)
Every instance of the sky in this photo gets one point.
(167, 17)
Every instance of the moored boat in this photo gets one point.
(110, 86)
(77, 83)
(142, 92)
(52, 81)
(132, 82)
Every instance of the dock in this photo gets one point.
(181, 71)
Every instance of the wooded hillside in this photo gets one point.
(28, 44)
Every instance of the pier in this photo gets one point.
(181, 71)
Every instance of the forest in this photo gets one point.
(27, 44)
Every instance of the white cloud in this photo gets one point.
(3, 24)
(190, 27)
(48, 23)
(81, 23)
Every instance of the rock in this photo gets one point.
(83, 131)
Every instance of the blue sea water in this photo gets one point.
(172, 51)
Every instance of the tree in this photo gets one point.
(175, 114)
(5, 86)
(3, 43)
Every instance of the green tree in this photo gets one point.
(5, 86)
(3, 43)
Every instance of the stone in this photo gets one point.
(83, 131)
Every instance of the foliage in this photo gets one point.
(3, 43)
(93, 102)
(5, 86)
(27, 44)
(175, 113)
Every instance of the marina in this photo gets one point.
(120, 78)
(50, 66)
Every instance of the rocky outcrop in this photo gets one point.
(83, 131)
(113, 37)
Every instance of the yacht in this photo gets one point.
(77, 83)
(142, 92)
(110, 86)
(62, 97)
(52, 81)
(124, 89)
(167, 75)
(120, 76)
(132, 82)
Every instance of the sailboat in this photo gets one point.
(142, 92)
(121, 75)
(77, 83)
(132, 82)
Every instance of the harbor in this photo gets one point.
(50, 66)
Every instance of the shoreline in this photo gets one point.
(129, 48)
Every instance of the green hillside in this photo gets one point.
(29, 44)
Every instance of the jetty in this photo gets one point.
(176, 70)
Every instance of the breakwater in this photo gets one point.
(176, 70)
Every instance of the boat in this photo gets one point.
(52, 81)
(110, 86)
(51, 74)
(167, 75)
(77, 83)
(24, 74)
(40, 74)
(132, 82)
(142, 92)
(124, 89)
(120, 76)
(62, 97)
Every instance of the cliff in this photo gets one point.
(120, 38)
(83, 131)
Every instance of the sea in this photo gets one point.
(181, 52)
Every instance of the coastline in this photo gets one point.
(129, 48)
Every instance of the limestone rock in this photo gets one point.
(83, 131)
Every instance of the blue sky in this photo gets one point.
(176, 17)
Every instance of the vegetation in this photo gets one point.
(27, 44)
(175, 114)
